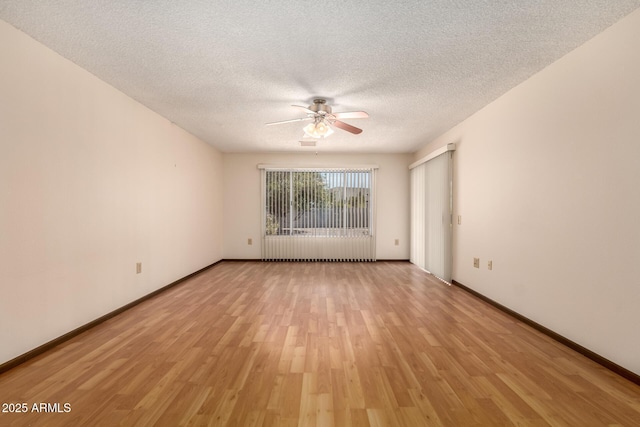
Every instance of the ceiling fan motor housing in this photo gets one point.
(320, 106)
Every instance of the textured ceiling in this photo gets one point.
(222, 69)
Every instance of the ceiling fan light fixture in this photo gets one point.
(310, 129)
(318, 129)
(321, 128)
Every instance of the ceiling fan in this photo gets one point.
(323, 119)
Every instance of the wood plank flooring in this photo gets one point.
(327, 344)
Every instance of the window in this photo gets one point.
(318, 214)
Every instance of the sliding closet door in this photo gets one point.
(431, 213)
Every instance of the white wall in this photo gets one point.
(547, 182)
(91, 182)
(242, 199)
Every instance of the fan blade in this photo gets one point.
(306, 110)
(347, 127)
(351, 115)
(289, 121)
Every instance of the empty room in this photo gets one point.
(421, 213)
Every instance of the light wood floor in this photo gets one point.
(325, 344)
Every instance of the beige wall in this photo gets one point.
(242, 199)
(91, 182)
(547, 183)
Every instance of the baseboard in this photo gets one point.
(57, 341)
(612, 366)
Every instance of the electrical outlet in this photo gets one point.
(397, 242)
(490, 265)
(249, 241)
(138, 267)
(476, 262)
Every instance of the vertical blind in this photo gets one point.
(318, 214)
(431, 215)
